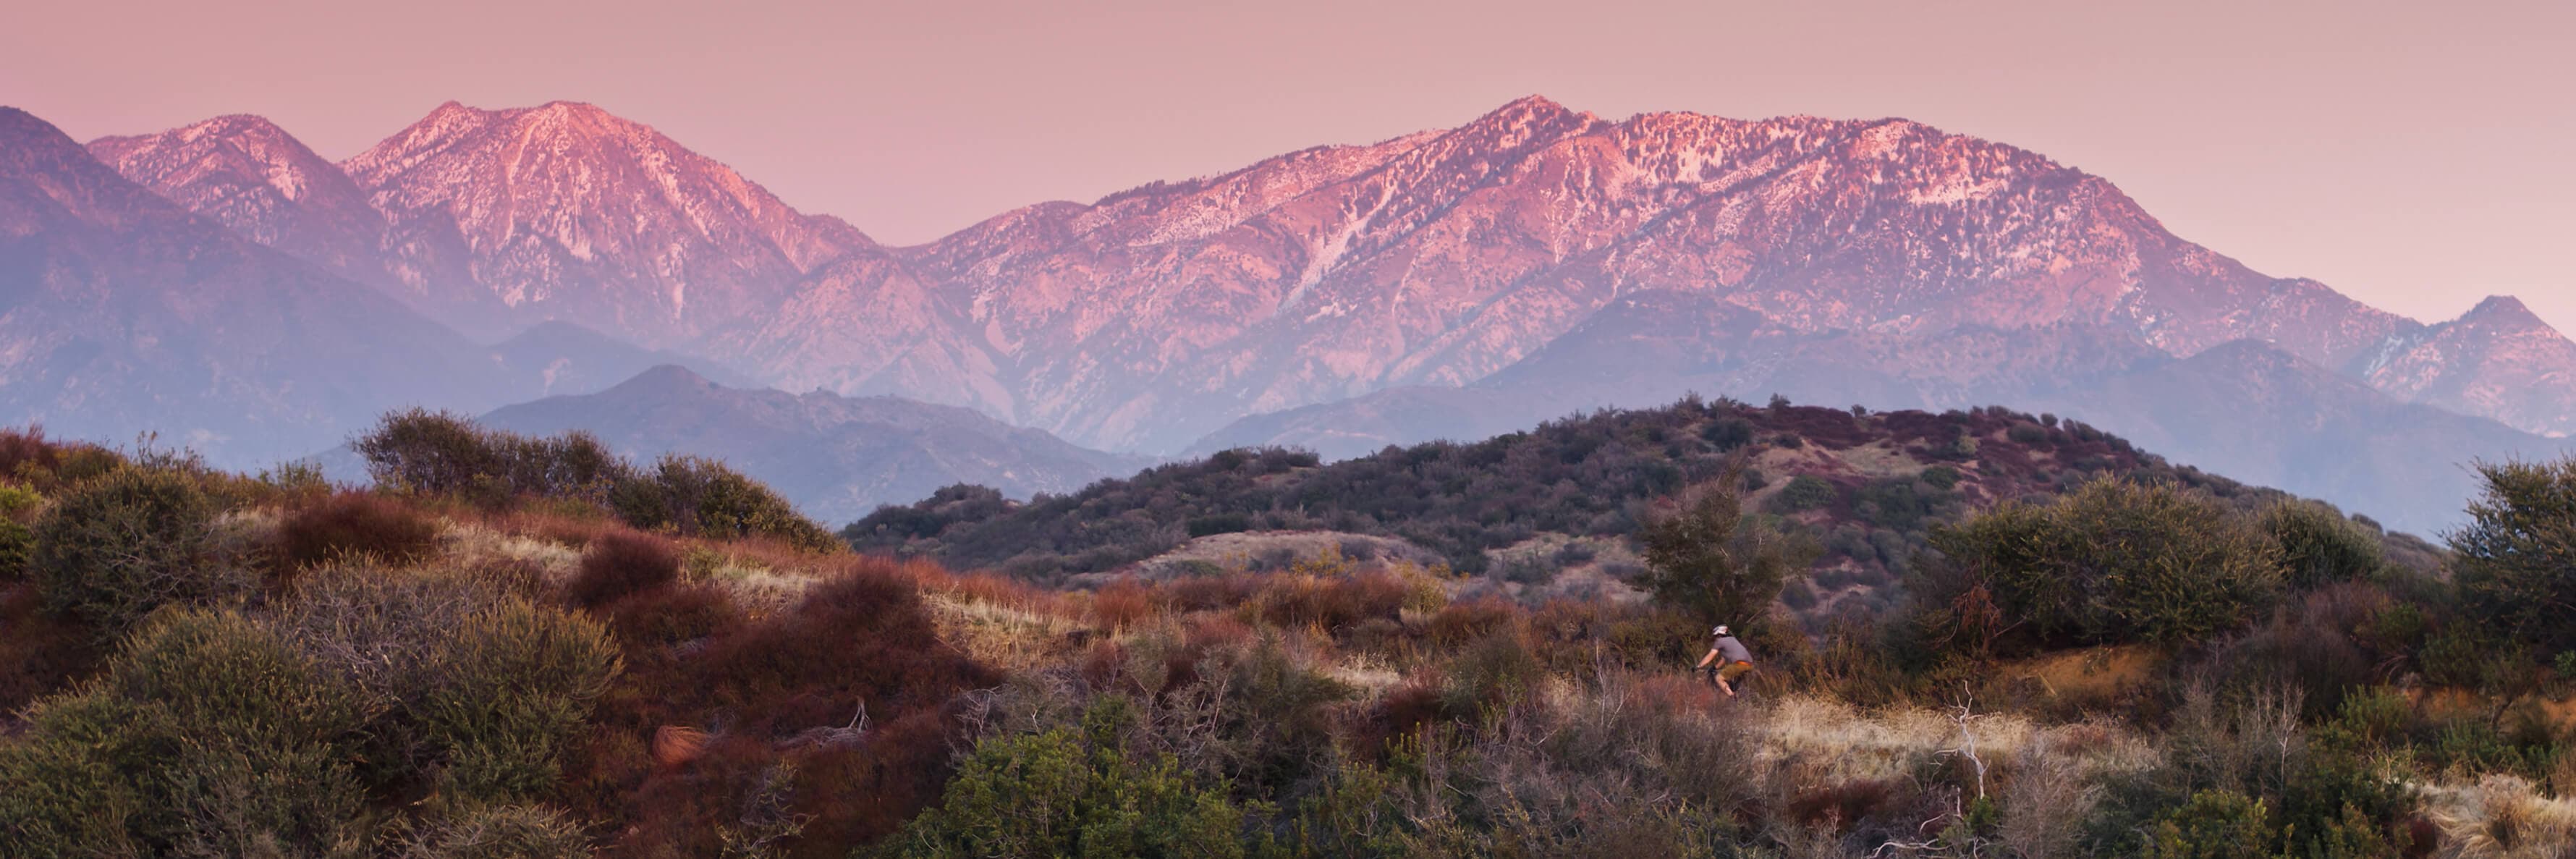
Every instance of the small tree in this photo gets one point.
(1712, 561)
(2111, 562)
(432, 452)
(2319, 546)
(2516, 559)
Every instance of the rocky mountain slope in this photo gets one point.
(122, 313)
(837, 457)
(248, 174)
(2498, 360)
(494, 220)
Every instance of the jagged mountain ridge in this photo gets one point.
(836, 457)
(1435, 258)
(1564, 259)
(1443, 258)
(248, 174)
(495, 220)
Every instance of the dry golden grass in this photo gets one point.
(1834, 741)
(2502, 817)
(474, 544)
(1006, 637)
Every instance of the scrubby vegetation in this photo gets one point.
(2131, 663)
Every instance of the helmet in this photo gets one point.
(1720, 630)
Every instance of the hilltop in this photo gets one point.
(1564, 501)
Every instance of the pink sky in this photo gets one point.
(2414, 155)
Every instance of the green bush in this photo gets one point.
(1074, 794)
(704, 498)
(113, 549)
(512, 691)
(2114, 562)
(442, 453)
(2319, 546)
(438, 453)
(206, 735)
(2213, 824)
(1805, 492)
(17, 501)
(17, 550)
(2516, 559)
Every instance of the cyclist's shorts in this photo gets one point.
(1732, 670)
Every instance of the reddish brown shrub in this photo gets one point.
(2425, 837)
(1209, 593)
(27, 456)
(1461, 622)
(1401, 712)
(355, 522)
(1122, 603)
(39, 653)
(620, 564)
(760, 689)
(1103, 662)
(663, 617)
(1668, 695)
(1845, 805)
(858, 796)
(862, 636)
(1208, 632)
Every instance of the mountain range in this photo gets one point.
(1535, 261)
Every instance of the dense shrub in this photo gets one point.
(862, 637)
(113, 549)
(1805, 492)
(2516, 558)
(46, 466)
(703, 498)
(2214, 824)
(1065, 793)
(17, 551)
(1728, 434)
(206, 735)
(514, 688)
(355, 522)
(442, 453)
(2113, 562)
(2319, 546)
(621, 564)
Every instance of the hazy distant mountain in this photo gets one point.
(563, 358)
(122, 313)
(836, 457)
(2497, 360)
